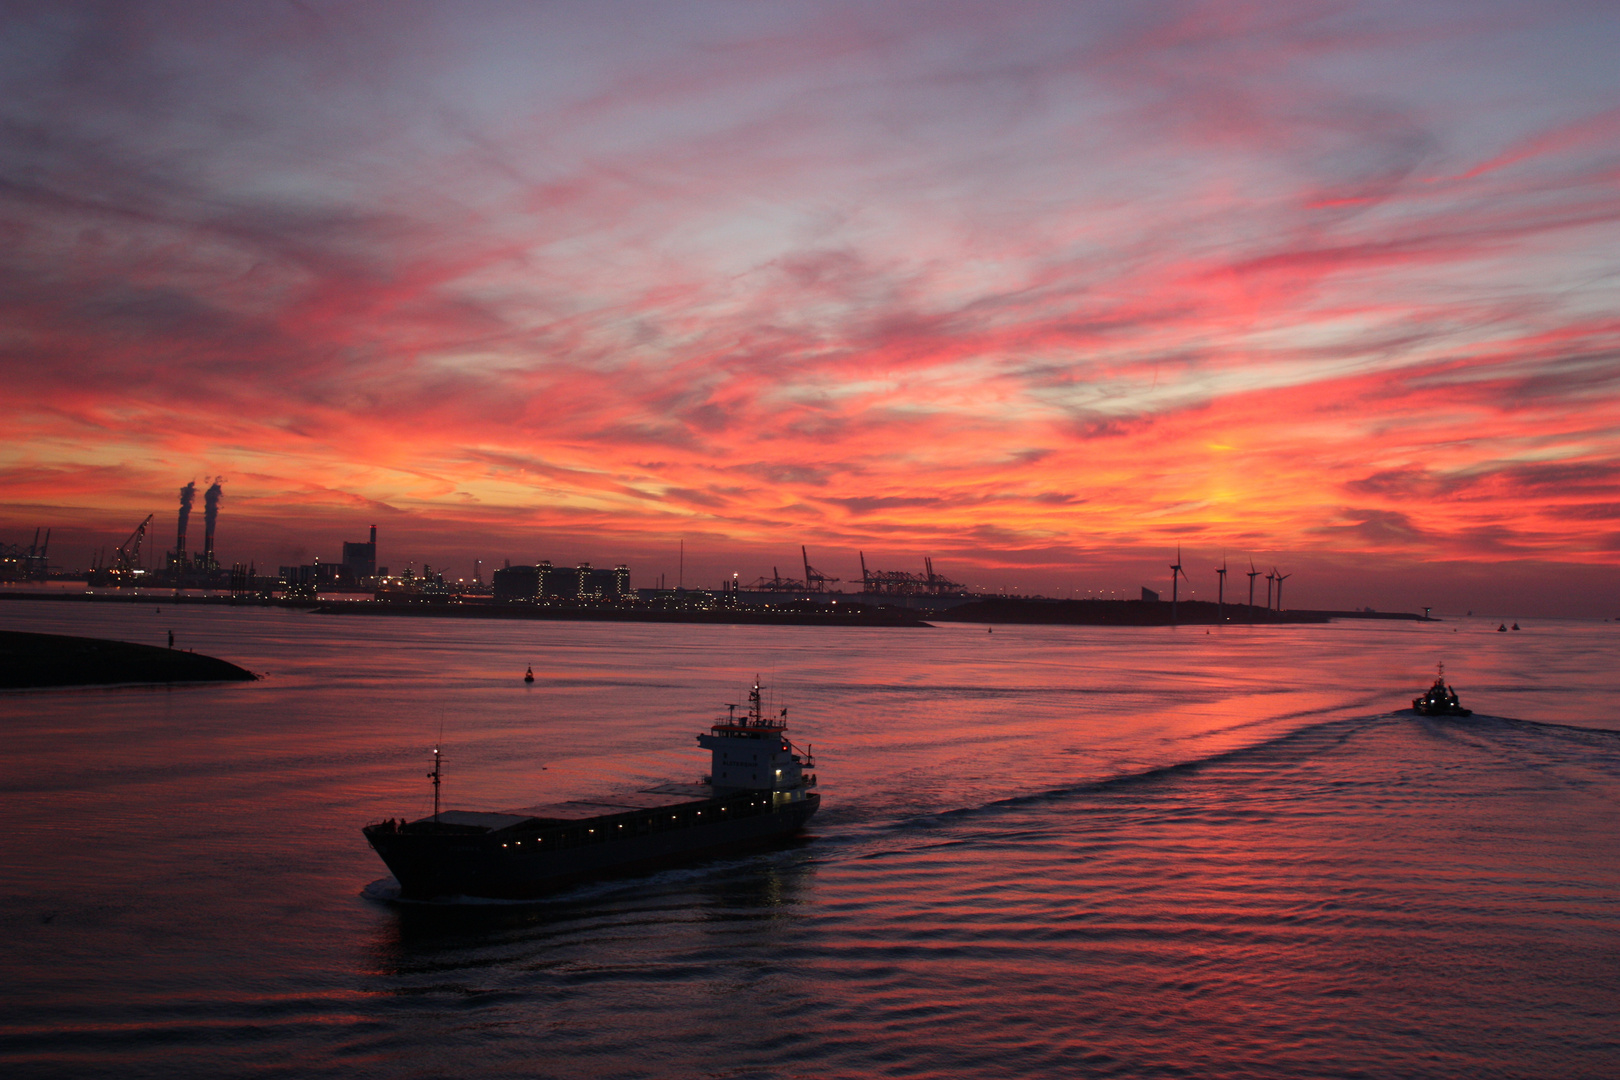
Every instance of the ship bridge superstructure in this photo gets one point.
(753, 753)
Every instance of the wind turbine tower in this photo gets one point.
(1269, 579)
(1253, 573)
(1176, 574)
(1280, 579)
(1220, 596)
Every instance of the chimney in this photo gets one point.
(211, 499)
(187, 493)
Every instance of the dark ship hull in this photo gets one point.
(1424, 708)
(527, 853)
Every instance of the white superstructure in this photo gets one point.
(753, 753)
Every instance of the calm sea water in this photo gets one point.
(1042, 852)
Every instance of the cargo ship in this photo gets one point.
(757, 791)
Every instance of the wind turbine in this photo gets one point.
(1220, 597)
(1269, 579)
(1253, 573)
(1280, 579)
(1176, 574)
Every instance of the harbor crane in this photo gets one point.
(902, 583)
(814, 580)
(31, 563)
(129, 552)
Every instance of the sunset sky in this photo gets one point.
(1038, 290)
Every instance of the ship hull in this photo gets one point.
(533, 858)
(1442, 710)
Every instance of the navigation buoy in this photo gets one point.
(1501, 628)
(1515, 626)
(528, 676)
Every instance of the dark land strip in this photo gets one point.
(801, 612)
(1143, 613)
(34, 661)
(805, 615)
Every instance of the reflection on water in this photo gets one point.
(1047, 850)
(750, 888)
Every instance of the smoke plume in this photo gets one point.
(211, 499)
(187, 493)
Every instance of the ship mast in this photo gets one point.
(434, 776)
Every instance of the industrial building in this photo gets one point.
(357, 570)
(543, 581)
(361, 559)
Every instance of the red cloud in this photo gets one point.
(1026, 289)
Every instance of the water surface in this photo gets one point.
(1043, 851)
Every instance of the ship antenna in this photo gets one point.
(438, 760)
(434, 776)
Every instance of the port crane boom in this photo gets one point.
(129, 552)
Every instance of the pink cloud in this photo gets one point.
(1021, 290)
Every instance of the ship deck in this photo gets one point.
(663, 797)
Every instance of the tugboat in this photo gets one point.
(758, 791)
(1441, 700)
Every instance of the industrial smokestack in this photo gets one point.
(187, 494)
(211, 499)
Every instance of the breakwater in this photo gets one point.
(34, 661)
